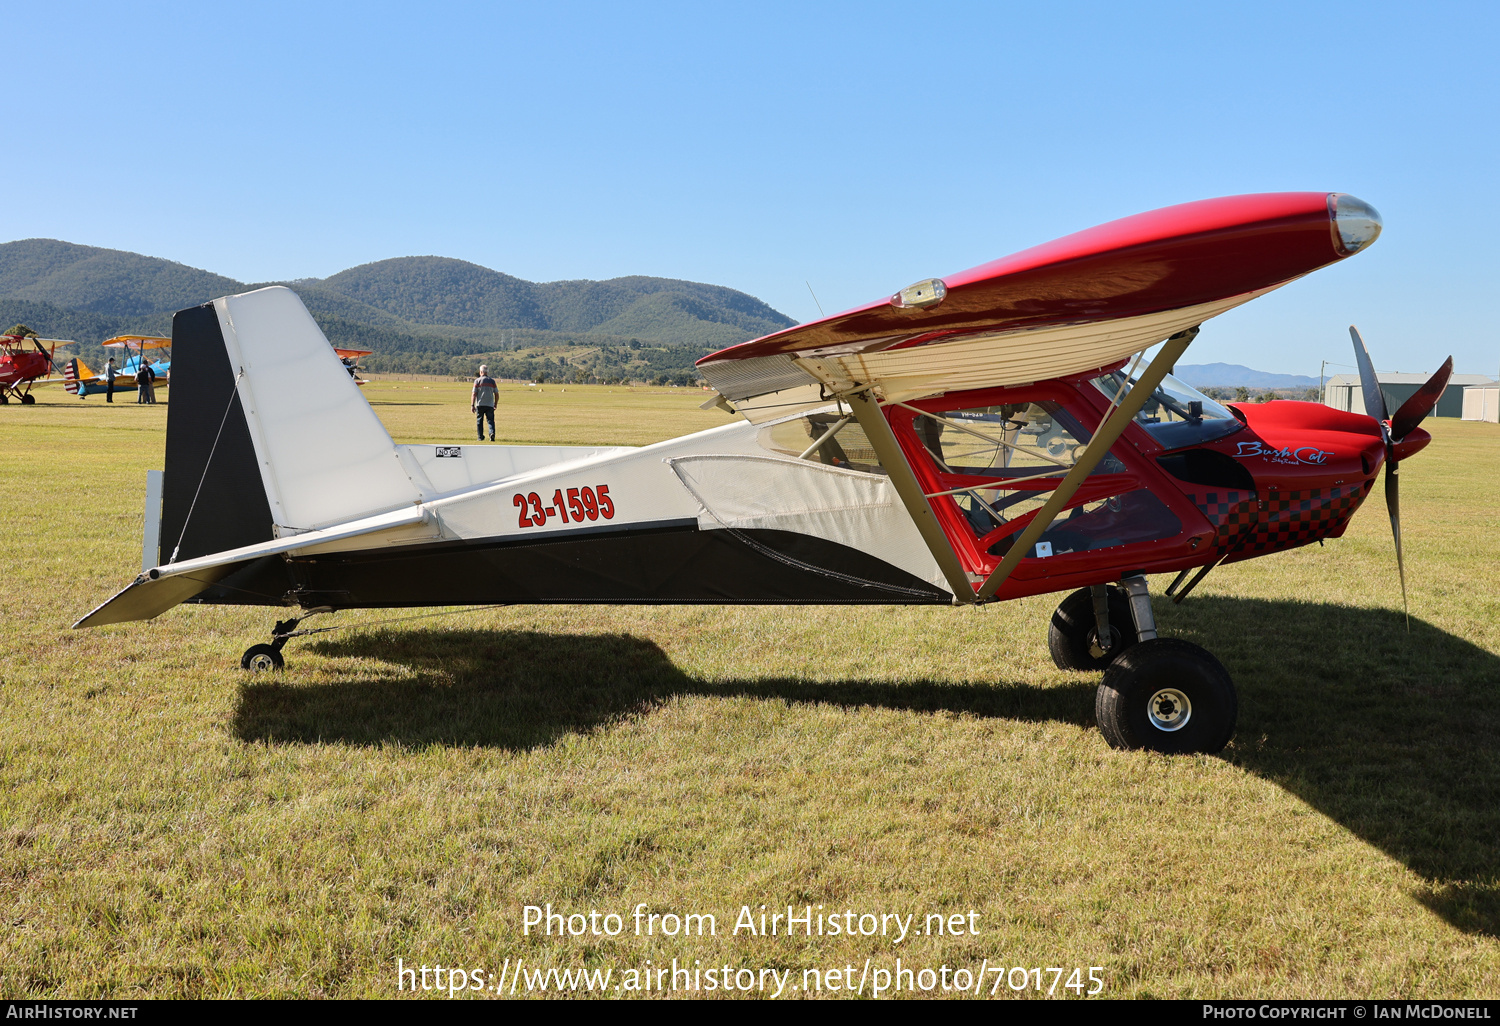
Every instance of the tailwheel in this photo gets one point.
(1073, 636)
(1167, 695)
(260, 658)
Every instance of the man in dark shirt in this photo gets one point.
(482, 401)
(143, 383)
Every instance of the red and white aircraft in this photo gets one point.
(987, 435)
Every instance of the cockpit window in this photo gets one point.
(1176, 414)
(846, 447)
(1037, 439)
(1012, 445)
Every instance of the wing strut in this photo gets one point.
(1109, 431)
(883, 441)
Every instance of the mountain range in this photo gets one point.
(423, 305)
(1233, 375)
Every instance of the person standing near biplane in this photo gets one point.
(482, 400)
(143, 379)
(110, 373)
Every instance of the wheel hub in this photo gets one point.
(1169, 709)
(1097, 650)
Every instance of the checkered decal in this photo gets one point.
(1231, 512)
(1289, 519)
(1284, 521)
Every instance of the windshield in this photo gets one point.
(1176, 414)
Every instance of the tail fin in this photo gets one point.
(267, 436)
(71, 374)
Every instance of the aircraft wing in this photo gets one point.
(1078, 303)
(138, 342)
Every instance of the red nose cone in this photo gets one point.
(1412, 444)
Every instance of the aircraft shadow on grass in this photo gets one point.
(1396, 737)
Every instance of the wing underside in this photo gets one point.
(1080, 303)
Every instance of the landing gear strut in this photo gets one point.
(1161, 694)
(260, 658)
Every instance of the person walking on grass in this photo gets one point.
(482, 402)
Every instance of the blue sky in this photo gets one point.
(858, 147)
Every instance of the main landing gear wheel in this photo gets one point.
(28, 399)
(1167, 695)
(260, 658)
(1073, 637)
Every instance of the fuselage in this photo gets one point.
(18, 366)
(744, 513)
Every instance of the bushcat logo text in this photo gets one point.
(1308, 454)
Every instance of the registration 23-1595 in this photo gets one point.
(577, 506)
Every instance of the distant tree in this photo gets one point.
(1267, 396)
(1242, 394)
(21, 330)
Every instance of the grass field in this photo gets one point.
(171, 827)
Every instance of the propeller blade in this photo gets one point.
(1368, 383)
(1393, 506)
(1421, 402)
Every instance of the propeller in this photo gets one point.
(1393, 430)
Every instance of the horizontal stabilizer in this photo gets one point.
(158, 590)
(144, 598)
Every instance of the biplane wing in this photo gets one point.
(1080, 302)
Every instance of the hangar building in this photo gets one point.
(1482, 402)
(1343, 392)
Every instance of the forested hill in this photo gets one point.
(105, 281)
(428, 308)
(440, 290)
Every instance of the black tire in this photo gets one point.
(260, 658)
(28, 399)
(1072, 631)
(1167, 695)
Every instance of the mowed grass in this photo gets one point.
(171, 827)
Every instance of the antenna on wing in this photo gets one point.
(815, 298)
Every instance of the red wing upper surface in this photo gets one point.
(1200, 258)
